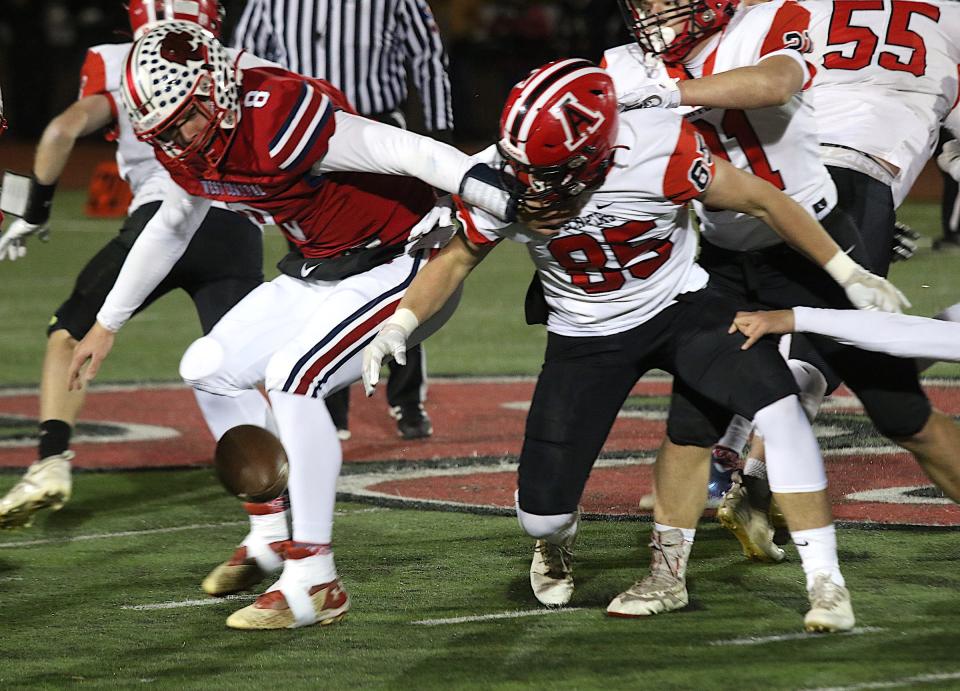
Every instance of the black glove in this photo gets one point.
(904, 242)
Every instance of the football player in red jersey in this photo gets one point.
(622, 294)
(47, 483)
(283, 149)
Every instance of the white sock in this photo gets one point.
(737, 434)
(224, 412)
(688, 533)
(818, 553)
(313, 451)
(754, 467)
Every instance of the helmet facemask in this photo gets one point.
(174, 72)
(551, 185)
(557, 132)
(676, 30)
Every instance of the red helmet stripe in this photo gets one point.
(534, 87)
(132, 80)
(526, 120)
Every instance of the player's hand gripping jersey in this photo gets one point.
(886, 75)
(631, 249)
(777, 143)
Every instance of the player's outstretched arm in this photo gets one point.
(737, 190)
(902, 335)
(365, 146)
(429, 292)
(772, 82)
(33, 204)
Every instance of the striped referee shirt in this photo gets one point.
(360, 46)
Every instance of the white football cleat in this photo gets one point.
(750, 526)
(830, 607)
(46, 484)
(551, 570)
(665, 589)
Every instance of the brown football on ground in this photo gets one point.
(251, 463)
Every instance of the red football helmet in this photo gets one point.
(558, 129)
(174, 70)
(144, 14)
(671, 29)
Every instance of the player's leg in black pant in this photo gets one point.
(406, 392)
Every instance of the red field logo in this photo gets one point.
(470, 462)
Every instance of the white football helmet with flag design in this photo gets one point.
(173, 71)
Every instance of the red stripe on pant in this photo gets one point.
(343, 344)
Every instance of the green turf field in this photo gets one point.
(105, 593)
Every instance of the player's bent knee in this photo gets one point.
(906, 428)
(202, 359)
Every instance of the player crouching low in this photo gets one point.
(621, 294)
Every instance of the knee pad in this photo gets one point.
(813, 386)
(202, 359)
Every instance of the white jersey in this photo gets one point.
(777, 143)
(631, 250)
(135, 160)
(886, 77)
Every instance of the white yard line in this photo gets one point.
(155, 531)
(759, 640)
(177, 604)
(122, 533)
(894, 683)
(500, 615)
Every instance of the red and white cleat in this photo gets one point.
(297, 598)
(249, 564)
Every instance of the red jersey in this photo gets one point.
(285, 127)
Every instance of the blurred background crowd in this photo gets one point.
(490, 43)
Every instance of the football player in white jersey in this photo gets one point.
(223, 264)
(622, 295)
(748, 67)
(886, 78)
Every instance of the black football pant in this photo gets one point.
(780, 278)
(586, 379)
(222, 263)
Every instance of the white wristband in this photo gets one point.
(841, 267)
(405, 320)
